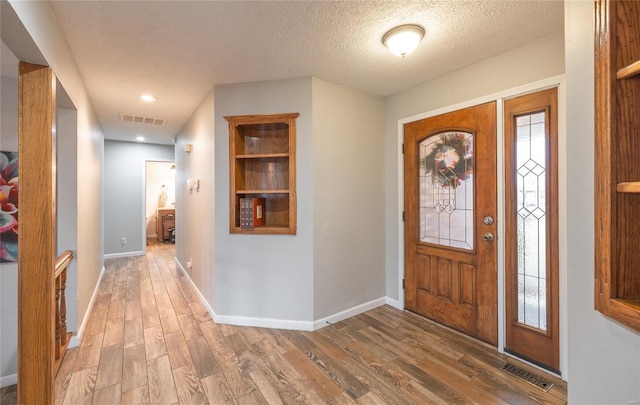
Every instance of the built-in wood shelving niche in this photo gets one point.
(617, 161)
(262, 164)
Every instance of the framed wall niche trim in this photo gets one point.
(617, 161)
(262, 165)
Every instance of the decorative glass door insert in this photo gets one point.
(446, 190)
(531, 225)
(450, 195)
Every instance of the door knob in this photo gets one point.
(488, 236)
(488, 220)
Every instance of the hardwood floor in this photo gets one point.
(149, 340)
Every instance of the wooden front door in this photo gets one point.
(450, 220)
(531, 222)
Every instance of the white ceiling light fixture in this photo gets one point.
(148, 98)
(404, 39)
(140, 138)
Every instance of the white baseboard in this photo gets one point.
(348, 313)
(74, 342)
(83, 324)
(12, 379)
(123, 254)
(202, 299)
(264, 322)
(242, 320)
(286, 323)
(395, 303)
(7, 380)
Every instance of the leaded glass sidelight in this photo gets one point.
(446, 189)
(531, 158)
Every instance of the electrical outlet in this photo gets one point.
(189, 263)
(123, 241)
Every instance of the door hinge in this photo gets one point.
(403, 148)
(402, 216)
(403, 284)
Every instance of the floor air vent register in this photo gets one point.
(524, 375)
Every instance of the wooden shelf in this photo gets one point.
(626, 311)
(617, 125)
(264, 230)
(263, 156)
(629, 187)
(629, 71)
(262, 191)
(633, 303)
(262, 164)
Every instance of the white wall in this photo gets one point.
(67, 204)
(157, 175)
(348, 198)
(265, 276)
(124, 193)
(526, 64)
(195, 210)
(8, 271)
(43, 29)
(66, 216)
(604, 357)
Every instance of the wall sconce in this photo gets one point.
(403, 40)
(193, 184)
(188, 147)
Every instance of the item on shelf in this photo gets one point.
(262, 168)
(251, 212)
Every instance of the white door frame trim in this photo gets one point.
(144, 197)
(554, 81)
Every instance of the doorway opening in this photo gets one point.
(450, 205)
(160, 201)
(501, 149)
(531, 237)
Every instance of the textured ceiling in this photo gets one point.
(178, 50)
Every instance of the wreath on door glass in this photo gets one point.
(450, 161)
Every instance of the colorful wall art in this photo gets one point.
(8, 207)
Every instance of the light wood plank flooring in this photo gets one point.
(149, 340)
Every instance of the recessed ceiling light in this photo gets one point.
(404, 39)
(148, 98)
(140, 138)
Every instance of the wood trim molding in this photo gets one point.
(539, 346)
(617, 171)
(36, 255)
(604, 110)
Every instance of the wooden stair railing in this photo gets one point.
(62, 336)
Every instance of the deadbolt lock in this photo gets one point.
(488, 220)
(488, 236)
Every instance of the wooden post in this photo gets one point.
(36, 240)
(63, 309)
(57, 320)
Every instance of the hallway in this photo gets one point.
(150, 340)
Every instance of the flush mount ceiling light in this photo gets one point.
(148, 98)
(140, 138)
(404, 39)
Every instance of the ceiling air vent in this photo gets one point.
(141, 120)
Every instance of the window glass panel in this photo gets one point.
(446, 190)
(520, 294)
(531, 219)
(523, 120)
